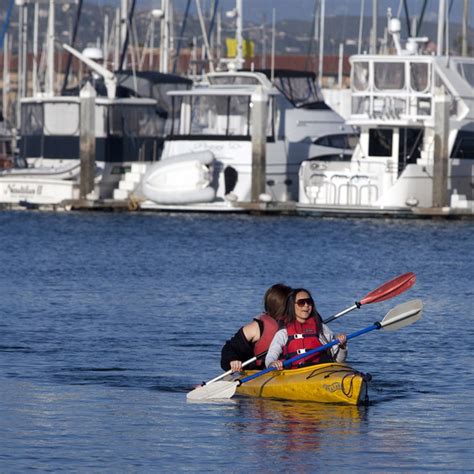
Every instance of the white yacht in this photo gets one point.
(129, 129)
(394, 166)
(207, 157)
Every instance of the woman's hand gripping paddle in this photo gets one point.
(397, 318)
(244, 364)
(388, 290)
(384, 292)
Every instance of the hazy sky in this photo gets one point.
(303, 9)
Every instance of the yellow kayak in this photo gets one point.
(324, 383)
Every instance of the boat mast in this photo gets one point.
(240, 56)
(35, 49)
(464, 48)
(204, 35)
(321, 42)
(164, 35)
(441, 23)
(272, 63)
(22, 49)
(361, 26)
(123, 33)
(49, 89)
(6, 74)
(373, 45)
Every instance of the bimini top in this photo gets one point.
(299, 87)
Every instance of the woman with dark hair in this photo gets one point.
(304, 330)
(254, 338)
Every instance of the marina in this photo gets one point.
(260, 141)
(236, 236)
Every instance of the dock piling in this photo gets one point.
(87, 139)
(259, 142)
(441, 149)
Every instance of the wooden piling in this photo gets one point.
(87, 139)
(259, 142)
(441, 149)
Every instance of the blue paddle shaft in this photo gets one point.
(288, 362)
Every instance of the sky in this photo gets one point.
(303, 9)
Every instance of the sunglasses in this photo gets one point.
(303, 301)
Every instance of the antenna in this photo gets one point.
(109, 76)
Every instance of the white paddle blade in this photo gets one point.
(402, 315)
(215, 390)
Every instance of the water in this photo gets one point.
(108, 320)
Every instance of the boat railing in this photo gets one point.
(341, 189)
(318, 184)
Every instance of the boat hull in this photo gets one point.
(324, 383)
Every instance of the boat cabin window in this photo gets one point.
(464, 145)
(136, 120)
(172, 124)
(61, 118)
(210, 116)
(380, 142)
(220, 115)
(31, 119)
(389, 76)
(334, 157)
(340, 140)
(466, 70)
(419, 78)
(231, 79)
(360, 76)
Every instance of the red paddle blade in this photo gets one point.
(390, 289)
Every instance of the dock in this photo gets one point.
(290, 208)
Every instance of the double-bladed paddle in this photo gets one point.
(244, 364)
(384, 292)
(388, 290)
(398, 317)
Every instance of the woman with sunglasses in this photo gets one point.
(254, 338)
(304, 330)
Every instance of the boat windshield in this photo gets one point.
(232, 80)
(31, 119)
(466, 70)
(135, 120)
(204, 116)
(392, 88)
(389, 76)
(300, 91)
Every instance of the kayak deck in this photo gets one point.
(324, 383)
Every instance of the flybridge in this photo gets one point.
(392, 88)
(401, 89)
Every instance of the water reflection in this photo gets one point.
(297, 426)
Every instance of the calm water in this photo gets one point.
(108, 320)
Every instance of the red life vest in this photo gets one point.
(270, 327)
(303, 337)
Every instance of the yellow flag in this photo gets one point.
(231, 45)
(248, 48)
